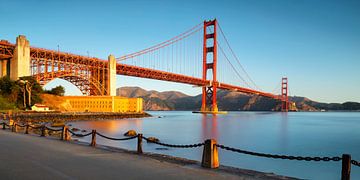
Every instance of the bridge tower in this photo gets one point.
(20, 62)
(209, 102)
(284, 95)
(111, 76)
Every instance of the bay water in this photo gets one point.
(293, 133)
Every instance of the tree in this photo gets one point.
(13, 92)
(58, 90)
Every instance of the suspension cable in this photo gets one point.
(232, 66)
(163, 44)
(237, 59)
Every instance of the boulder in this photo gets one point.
(75, 129)
(152, 140)
(58, 124)
(130, 133)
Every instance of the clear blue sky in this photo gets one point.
(316, 44)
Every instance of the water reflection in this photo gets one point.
(112, 126)
(209, 126)
(283, 135)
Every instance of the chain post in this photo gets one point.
(210, 157)
(346, 167)
(139, 144)
(27, 129)
(13, 127)
(67, 135)
(93, 138)
(64, 133)
(43, 131)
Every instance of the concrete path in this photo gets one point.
(33, 157)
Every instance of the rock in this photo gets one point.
(58, 124)
(152, 140)
(130, 133)
(75, 129)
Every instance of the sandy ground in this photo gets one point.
(33, 157)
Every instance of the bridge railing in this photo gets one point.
(210, 158)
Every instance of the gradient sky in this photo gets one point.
(315, 43)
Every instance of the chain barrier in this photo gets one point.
(20, 125)
(3, 123)
(174, 145)
(34, 127)
(79, 135)
(275, 156)
(117, 139)
(51, 129)
(356, 163)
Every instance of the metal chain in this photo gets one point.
(3, 123)
(116, 139)
(356, 163)
(20, 125)
(35, 127)
(79, 135)
(174, 145)
(299, 158)
(53, 129)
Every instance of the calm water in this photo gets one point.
(293, 133)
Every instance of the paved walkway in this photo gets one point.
(32, 157)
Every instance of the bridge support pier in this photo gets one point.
(111, 81)
(3, 69)
(20, 62)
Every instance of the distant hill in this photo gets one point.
(229, 101)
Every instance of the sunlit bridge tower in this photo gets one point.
(284, 95)
(209, 102)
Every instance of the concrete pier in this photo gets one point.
(111, 81)
(3, 69)
(20, 62)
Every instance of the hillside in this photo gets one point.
(229, 101)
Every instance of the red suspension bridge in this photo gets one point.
(201, 56)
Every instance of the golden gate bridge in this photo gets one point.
(201, 56)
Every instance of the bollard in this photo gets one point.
(27, 129)
(3, 125)
(67, 135)
(346, 167)
(93, 138)
(139, 144)
(210, 158)
(43, 131)
(13, 127)
(63, 133)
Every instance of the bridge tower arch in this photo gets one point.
(209, 102)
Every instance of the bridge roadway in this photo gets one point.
(68, 59)
(32, 157)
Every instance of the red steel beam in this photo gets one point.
(7, 48)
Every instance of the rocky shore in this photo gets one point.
(74, 116)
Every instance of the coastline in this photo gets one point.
(77, 152)
(74, 116)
